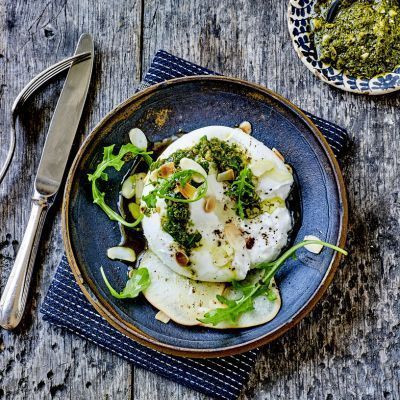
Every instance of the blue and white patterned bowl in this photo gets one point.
(299, 17)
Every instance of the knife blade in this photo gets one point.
(58, 144)
(64, 123)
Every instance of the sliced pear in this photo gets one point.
(185, 300)
(264, 309)
(182, 299)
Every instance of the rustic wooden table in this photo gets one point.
(349, 347)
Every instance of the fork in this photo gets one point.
(28, 91)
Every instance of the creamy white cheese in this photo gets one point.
(222, 257)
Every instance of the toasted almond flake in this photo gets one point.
(166, 170)
(233, 235)
(188, 163)
(228, 175)
(245, 126)
(138, 138)
(162, 317)
(209, 204)
(278, 154)
(313, 248)
(260, 167)
(121, 253)
(181, 258)
(188, 191)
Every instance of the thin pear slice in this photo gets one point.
(182, 299)
(185, 300)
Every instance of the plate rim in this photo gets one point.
(108, 312)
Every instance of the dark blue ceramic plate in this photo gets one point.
(187, 104)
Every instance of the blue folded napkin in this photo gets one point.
(65, 306)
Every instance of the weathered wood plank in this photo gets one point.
(348, 348)
(39, 361)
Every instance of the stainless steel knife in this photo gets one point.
(57, 147)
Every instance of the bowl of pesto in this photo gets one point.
(358, 50)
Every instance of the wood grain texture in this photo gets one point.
(349, 347)
(39, 361)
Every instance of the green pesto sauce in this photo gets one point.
(222, 156)
(364, 38)
(177, 224)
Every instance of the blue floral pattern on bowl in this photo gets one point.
(299, 23)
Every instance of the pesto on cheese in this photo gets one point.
(364, 38)
(222, 156)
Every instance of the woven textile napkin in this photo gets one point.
(65, 305)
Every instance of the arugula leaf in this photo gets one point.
(139, 281)
(167, 186)
(244, 192)
(272, 267)
(235, 308)
(150, 199)
(116, 161)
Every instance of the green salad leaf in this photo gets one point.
(139, 281)
(244, 192)
(116, 161)
(235, 308)
(166, 188)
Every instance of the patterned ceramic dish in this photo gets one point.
(299, 17)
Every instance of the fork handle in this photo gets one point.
(13, 299)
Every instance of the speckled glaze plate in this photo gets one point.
(299, 16)
(188, 104)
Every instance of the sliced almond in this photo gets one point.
(245, 126)
(188, 163)
(209, 204)
(138, 138)
(188, 191)
(278, 154)
(181, 258)
(313, 248)
(228, 175)
(121, 253)
(233, 235)
(166, 170)
(260, 167)
(162, 317)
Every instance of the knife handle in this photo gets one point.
(13, 299)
